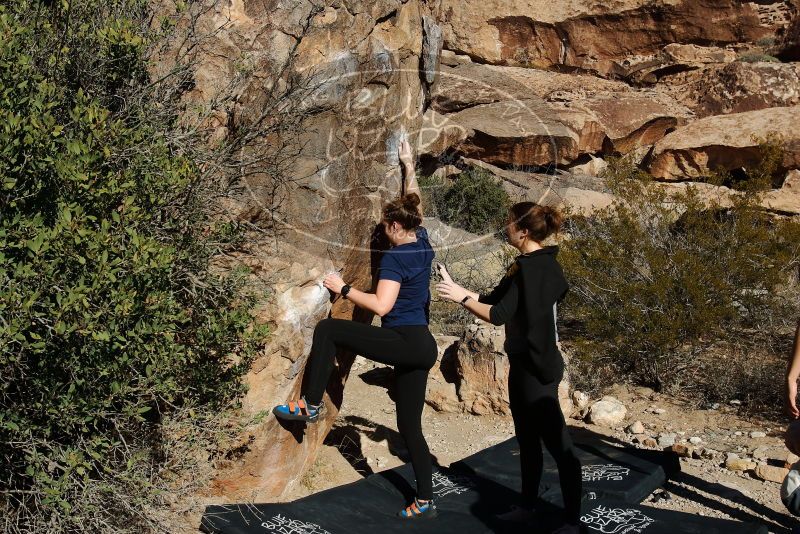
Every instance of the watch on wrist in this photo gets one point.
(465, 299)
(345, 290)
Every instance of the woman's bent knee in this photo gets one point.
(324, 326)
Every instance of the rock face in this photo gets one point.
(509, 116)
(598, 36)
(472, 84)
(725, 141)
(532, 132)
(690, 55)
(348, 81)
(431, 48)
(472, 374)
(735, 87)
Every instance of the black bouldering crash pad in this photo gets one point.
(331, 511)
(624, 518)
(608, 472)
(468, 496)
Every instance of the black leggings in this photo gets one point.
(538, 417)
(412, 352)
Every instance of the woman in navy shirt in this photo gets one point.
(402, 299)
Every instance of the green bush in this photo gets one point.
(111, 318)
(757, 57)
(666, 287)
(760, 176)
(766, 41)
(474, 201)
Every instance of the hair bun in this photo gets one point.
(411, 201)
(553, 217)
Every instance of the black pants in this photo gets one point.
(538, 417)
(412, 352)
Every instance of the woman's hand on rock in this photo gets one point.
(404, 152)
(449, 290)
(333, 282)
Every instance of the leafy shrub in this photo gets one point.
(111, 318)
(664, 286)
(757, 57)
(759, 177)
(766, 41)
(474, 201)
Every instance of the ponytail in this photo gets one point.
(540, 221)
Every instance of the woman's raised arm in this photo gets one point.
(410, 184)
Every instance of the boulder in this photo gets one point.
(593, 167)
(439, 133)
(472, 374)
(650, 443)
(791, 183)
(347, 82)
(735, 87)
(771, 473)
(598, 36)
(516, 116)
(666, 440)
(632, 120)
(522, 132)
(471, 84)
(673, 60)
(580, 400)
(784, 201)
(692, 55)
(442, 394)
(482, 371)
(451, 59)
(739, 464)
(684, 451)
(608, 411)
(532, 132)
(578, 192)
(725, 141)
(635, 428)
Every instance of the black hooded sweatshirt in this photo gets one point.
(526, 294)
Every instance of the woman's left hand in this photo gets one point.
(449, 290)
(334, 282)
(405, 153)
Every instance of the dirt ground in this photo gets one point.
(365, 440)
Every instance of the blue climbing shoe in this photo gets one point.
(419, 510)
(298, 411)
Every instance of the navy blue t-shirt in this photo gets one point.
(409, 264)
